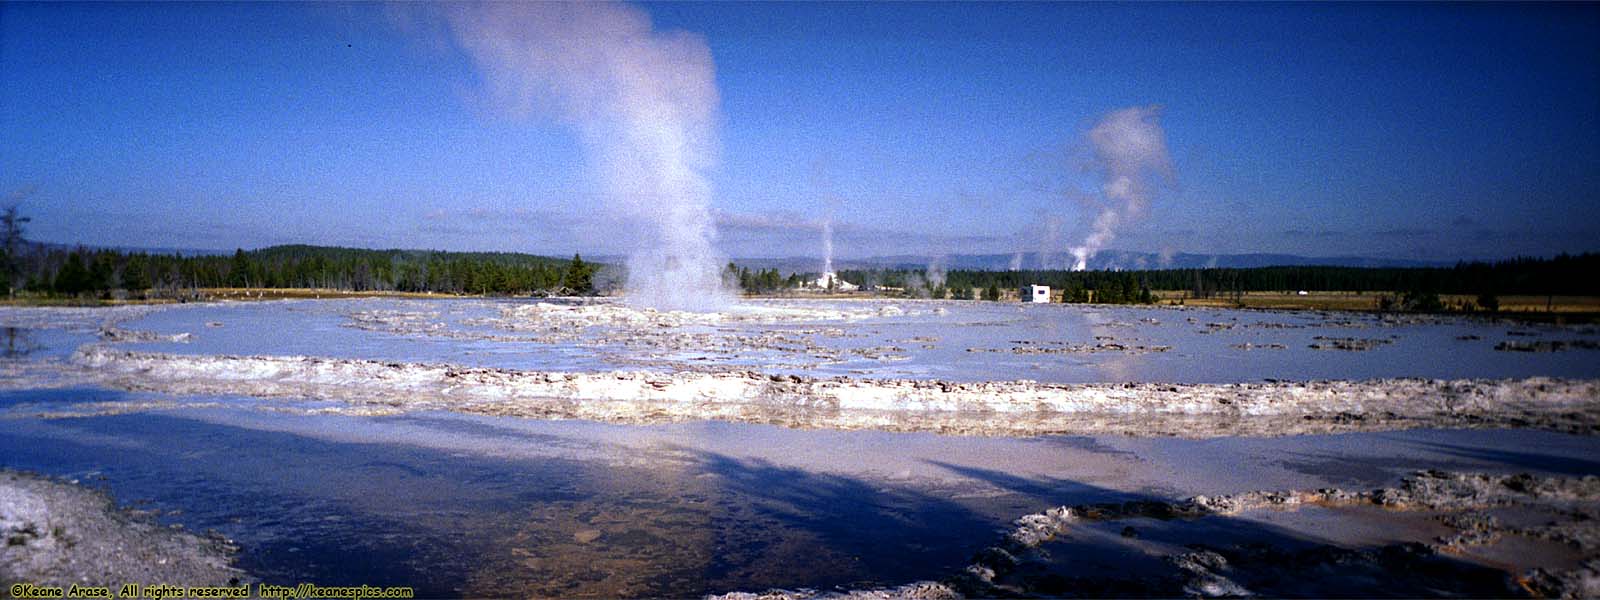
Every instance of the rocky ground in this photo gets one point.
(978, 408)
(57, 533)
(641, 391)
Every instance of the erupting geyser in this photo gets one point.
(643, 103)
(1130, 154)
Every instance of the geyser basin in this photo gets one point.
(235, 416)
(978, 368)
(945, 340)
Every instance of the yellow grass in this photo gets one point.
(1560, 304)
(1369, 301)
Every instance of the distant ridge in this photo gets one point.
(1105, 260)
(139, 249)
(1110, 259)
(307, 250)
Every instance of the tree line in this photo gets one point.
(760, 281)
(1103, 287)
(1561, 275)
(43, 269)
(49, 270)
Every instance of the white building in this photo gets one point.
(830, 280)
(1037, 294)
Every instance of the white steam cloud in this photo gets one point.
(643, 103)
(1130, 154)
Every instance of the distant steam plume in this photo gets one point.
(827, 246)
(643, 103)
(1049, 240)
(935, 272)
(1130, 155)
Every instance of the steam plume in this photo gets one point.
(1046, 229)
(1130, 153)
(643, 103)
(935, 272)
(827, 247)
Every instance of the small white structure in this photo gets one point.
(831, 281)
(1037, 294)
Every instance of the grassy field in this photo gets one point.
(1368, 301)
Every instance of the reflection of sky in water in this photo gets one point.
(943, 340)
(453, 506)
(22, 343)
(471, 505)
(17, 342)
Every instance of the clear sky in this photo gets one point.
(1435, 131)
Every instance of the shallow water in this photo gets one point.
(469, 505)
(962, 341)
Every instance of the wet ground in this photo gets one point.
(474, 504)
(946, 340)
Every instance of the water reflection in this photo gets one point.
(478, 506)
(19, 342)
(452, 523)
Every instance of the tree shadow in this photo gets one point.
(1533, 461)
(1089, 443)
(1120, 544)
(850, 531)
(1050, 491)
(1367, 469)
(59, 397)
(1360, 471)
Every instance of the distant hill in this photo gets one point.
(302, 252)
(334, 252)
(1106, 260)
(164, 251)
(76, 271)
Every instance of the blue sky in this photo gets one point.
(1434, 131)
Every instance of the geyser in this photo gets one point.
(1130, 155)
(827, 247)
(643, 103)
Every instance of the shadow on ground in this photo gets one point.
(1516, 460)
